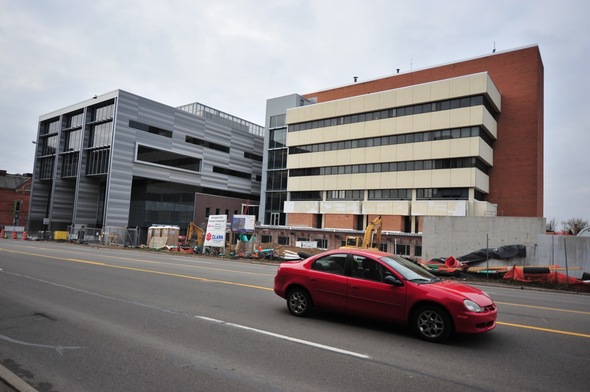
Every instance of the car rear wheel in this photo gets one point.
(432, 323)
(299, 302)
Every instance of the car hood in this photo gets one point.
(463, 291)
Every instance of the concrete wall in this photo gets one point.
(561, 250)
(458, 236)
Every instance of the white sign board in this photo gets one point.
(306, 244)
(243, 223)
(215, 235)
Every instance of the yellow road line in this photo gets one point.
(544, 308)
(582, 335)
(146, 270)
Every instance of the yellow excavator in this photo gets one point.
(367, 241)
(194, 235)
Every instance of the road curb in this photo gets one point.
(12, 380)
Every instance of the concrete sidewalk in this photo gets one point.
(10, 382)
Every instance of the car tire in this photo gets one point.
(299, 302)
(432, 323)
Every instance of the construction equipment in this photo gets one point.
(194, 235)
(367, 241)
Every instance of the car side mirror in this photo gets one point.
(392, 280)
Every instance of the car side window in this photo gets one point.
(333, 264)
(368, 269)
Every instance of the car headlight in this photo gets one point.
(472, 306)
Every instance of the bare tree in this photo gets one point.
(550, 225)
(574, 225)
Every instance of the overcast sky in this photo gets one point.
(233, 55)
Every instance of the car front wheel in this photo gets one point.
(299, 302)
(432, 323)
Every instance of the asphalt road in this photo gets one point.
(78, 318)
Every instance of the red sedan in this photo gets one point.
(383, 286)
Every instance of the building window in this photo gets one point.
(150, 129)
(390, 194)
(46, 168)
(418, 251)
(277, 138)
(207, 144)
(397, 112)
(265, 239)
(104, 113)
(277, 121)
(49, 145)
(306, 195)
(355, 194)
(277, 159)
(98, 161)
(384, 167)
(69, 166)
(402, 249)
(442, 194)
(276, 180)
(254, 157)
(101, 134)
(441, 134)
(230, 172)
(282, 240)
(167, 158)
(322, 243)
(73, 140)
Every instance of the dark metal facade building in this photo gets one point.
(120, 160)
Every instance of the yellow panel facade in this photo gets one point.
(372, 102)
(490, 124)
(383, 207)
(343, 107)
(421, 93)
(441, 149)
(422, 150)
(404, 96)
(422, 122)
(441, 178)
(441, 120)
(405, 180)
(387, 99)
(482, 181)
(440, 90)
(340, 207)
(462, 178)
(423, 179)
(459, 118)
(463, 147)
(372, 181)
(459, 87)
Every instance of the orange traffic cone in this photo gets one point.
(24, 235)
(2, 233)
(14, 235)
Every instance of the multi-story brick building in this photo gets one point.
(461, 139)
(15, 191)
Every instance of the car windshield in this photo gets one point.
(408, 270)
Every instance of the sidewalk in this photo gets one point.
(10, 382)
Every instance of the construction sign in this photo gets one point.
(215, 235)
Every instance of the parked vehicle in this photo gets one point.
(374, 284)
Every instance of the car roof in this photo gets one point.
(359, 251)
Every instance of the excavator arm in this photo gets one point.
(374, 226)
